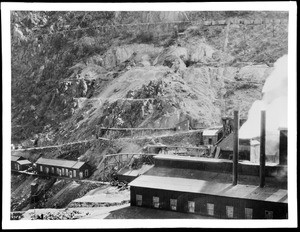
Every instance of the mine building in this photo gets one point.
(196, 185)
(219, 188)
(19, 163)
(212, 135)
(64, 168)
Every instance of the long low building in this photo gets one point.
(61, 167)
(207, 191)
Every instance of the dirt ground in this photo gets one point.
(114, 212)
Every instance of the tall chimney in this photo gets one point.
(235, 147)
(262, 149)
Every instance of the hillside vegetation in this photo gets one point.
(74, 73)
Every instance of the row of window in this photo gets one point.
(64, 172)
(210, 208)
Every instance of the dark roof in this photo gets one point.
(60, 163)
(210, 187)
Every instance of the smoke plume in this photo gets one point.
(274, 102)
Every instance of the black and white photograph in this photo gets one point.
(149, 115)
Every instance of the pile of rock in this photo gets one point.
(62, 215)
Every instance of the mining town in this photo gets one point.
(149, 115)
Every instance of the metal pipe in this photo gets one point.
(262, 149)
(235, 147)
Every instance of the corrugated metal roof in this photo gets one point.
(211, 188)
(23, 162)
(60, 162)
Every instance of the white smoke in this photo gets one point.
(274, 102)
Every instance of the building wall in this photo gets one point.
(18, 167)
(201, 200)
(64, 170)
(14, 165)
(225, 166)
(207, 138)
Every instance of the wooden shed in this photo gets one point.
(23, 164)
(14, 162)
(61, 167)
(212, 135)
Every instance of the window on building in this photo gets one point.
(86, 172)
(41, 168)
(268, 214)
(67, 172)
(47, 170)
(210, 141)
(52, 169)
(229, 211)
(74, 173)
(139, 200)
(248, 213)
(80, 175)
(173, 204)
(63, 171)
(57, 171)
(210, 209)
(191, 206)
(156, 202)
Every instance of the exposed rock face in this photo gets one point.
(115, 56)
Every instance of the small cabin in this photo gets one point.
(212, 135)
(15, 165)
(23, 165)
(64, 168)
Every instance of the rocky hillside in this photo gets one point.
(71, 77)
(74, 73)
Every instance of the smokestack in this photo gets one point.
(262, 149)
(235, 146)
